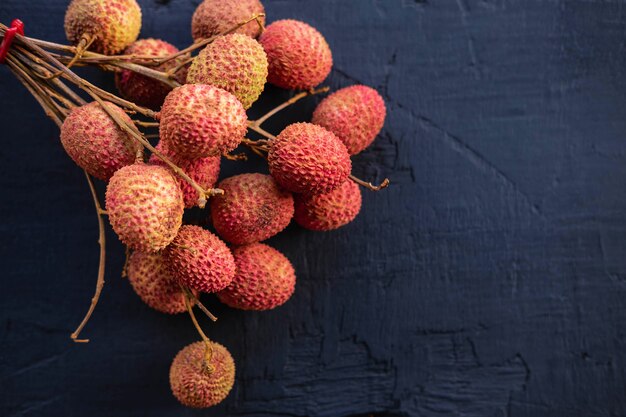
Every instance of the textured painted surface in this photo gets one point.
(490, 280)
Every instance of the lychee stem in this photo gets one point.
(236, 157)
(85, 42)
(100, 280)
(126, 261)
(258, 122)
(260, 131)
(209, 350)
(198, 303)
(369, 185)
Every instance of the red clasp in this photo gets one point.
(17, 26)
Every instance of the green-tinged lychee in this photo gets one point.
(328, 211)
(265, 279)
(95, 142)
(308, 159)
(114, 24)
(253, 208)
(236, 63)
(201, 378)
(204, 171)
(214, 17)
(298, 55)
(152, 281)
(140, 89)
(199, 120)
(354, 114)
(145, 206)
(200, 260)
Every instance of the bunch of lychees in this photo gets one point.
(199, 106)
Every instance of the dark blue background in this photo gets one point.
(489, 280)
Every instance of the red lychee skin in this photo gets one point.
(199, 120)
(298, 55)
(237, 63)
(253, 208)
(140, 89)
(114, 23)
(265, 279)
(328, 211)
(213, 17)
(204, 171)
(95, 142)
(354, 114)
(145, 206)
(308, 159)
(197, 384)
(150, 278)
(200, 260)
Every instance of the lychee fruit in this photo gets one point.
(236, 63)
(253, 208)
(204, 171)
(200, 260)
(298, 55)
(115, 24)
(354, 114)
(199, 120)
(308, 159)
(145, 206)
(328, 211)
(95, 142)
(140, 89)
(201, 378)
(265, 279)
(150, 277)
(214, 17)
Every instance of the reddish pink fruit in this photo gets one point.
(214, 17)
(253, 208)
(265, 279)
(328, 211)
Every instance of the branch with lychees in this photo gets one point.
(198, 102)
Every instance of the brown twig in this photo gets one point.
(100, 280)
(258, 122)
(369, 185)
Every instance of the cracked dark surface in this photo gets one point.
(488, 281)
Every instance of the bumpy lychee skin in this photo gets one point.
(329, 211)
(354, 114)
(114, 23)
(204, 171)
(145, 206)
(95, 142)
(199, 120)
(253, 208)
(265, 279)
(308, 159)
(213, 17)
(150, 278)
(140, 89)
(200, 384)
(298, 55)
(236, 63)
(200, 260)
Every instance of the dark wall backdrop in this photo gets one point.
(488, 280)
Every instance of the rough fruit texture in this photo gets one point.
(213, 17)
(265, 279)
(198, 384)
(200, 260)
(298, 55)
(236, 63)
(328, 211)
(204, 171)
(95, 142)
(308, 159)
(145, 206)
(354, 114)
(150, 278)
(114, 23)
(253, 208)
(199, 120)
(140, 89)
